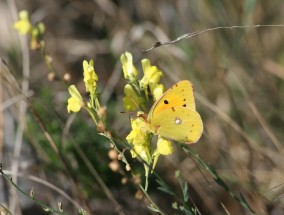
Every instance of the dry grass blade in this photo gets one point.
(194, 34)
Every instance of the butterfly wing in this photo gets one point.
(180, 123)
(179, 95)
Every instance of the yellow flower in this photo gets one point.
(139, 139)
(151, 76)
(157, 91)
(164, 147)
(138, 135)
(131, 101)
(75, 102)
(129, 70)
(90, 76)
(23, 25)
(142, 151)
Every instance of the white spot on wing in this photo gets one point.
(178, 121)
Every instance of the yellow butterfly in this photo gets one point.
(174, 116)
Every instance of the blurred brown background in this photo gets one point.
(238, 78)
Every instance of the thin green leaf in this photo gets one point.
(187, 212)
(185, 191)
(153, 208)
(164, 187)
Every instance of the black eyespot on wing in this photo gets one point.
(184, 100)
(184, 105)
(166, 102)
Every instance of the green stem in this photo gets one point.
(92, 114)
(151, 201)
(147, 170)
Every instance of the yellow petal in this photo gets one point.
(129, 70)
(90, 76)
(152, 74)
(164, 147)
(23, 25)
(74, 104)
(157, 91)
(74, 92)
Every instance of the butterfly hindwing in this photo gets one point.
(180, 124)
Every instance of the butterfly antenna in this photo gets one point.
(144, 116)
(135, 103)
(131, 113)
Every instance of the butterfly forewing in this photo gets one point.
(179, 95)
